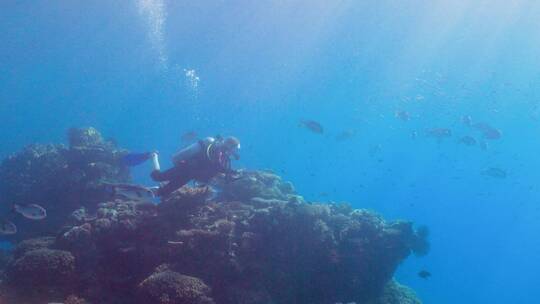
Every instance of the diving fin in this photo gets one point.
(135, 159)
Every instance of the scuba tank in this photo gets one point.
(192, 150)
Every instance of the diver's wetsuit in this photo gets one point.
(207, 161)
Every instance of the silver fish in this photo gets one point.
(467, 120)
(31, 211)
(345, 135)
(495, 172)
(492, 134)
(313, 126)
(468, 140)
(482, 126)
(7, 227)
(484, 145)
(131, 192)
(375, 150)
(403, 115)
(488, 131)
(439, 132)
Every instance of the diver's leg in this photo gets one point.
(155, 161)
(167, 175)
(173, 185)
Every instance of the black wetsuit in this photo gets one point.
(203, 166)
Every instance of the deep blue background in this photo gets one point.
(265, 65)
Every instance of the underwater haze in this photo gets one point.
(429, 110)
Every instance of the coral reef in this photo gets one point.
(42, 271)
(254, 241)
(59, 178)
(395, 293)
(165, 286)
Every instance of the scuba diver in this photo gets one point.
(200, 161)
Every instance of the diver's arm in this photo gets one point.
(231, 174)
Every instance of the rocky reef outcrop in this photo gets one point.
(253, 240)
(166, 286)
(60, 178)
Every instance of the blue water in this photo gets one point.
(146, 71)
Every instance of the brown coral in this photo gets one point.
(169, 287)
(42, 270)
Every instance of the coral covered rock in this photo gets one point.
(262, 184)
(32, 244)
(253, 240)
(59, 178)
(395, 293)
(72, 299)
(84, 137)
(42, 271)
(169, 287)
(254, 251)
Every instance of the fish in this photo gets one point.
(7, 227)
(403, 115)
(468, 140)
(467, 120)
(414, 134)
(439, 133)
(175, 243)
(484, 146)
(488, 131)
(482, 126)
(424, 274)
(374, 150)
(31, 211)
(189, 136)
(129, 191)
(313, 126)
(495, 172)
(345, 135)
(492, 134)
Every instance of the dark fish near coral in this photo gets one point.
(189, 136)
(31, 211)
(439, 133)
(424, 274)
(403, 115)
(495, 172)
(468, 140)
(7, 227)
(131, 192)
(313, 126)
